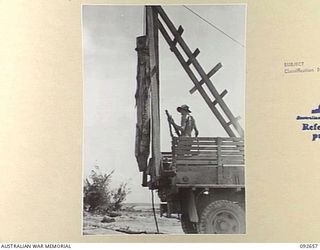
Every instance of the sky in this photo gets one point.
(110, 68)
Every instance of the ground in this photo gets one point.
(134, 219)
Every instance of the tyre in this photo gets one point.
(222, 217)
(188, 227)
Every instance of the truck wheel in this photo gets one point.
(222, 217)
(188, 227)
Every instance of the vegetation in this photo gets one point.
(98, 197)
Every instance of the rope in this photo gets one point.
(154, 212)
(215, 27)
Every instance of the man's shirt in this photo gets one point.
(187, 125)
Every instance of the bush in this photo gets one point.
(118, 196)
(97, 195)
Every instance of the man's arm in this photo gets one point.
(195, 127)
(176, 127)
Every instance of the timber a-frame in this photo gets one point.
(157, 20)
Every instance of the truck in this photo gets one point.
(202, 179)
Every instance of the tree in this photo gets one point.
(97, 195)
(119, 195)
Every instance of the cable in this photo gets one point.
(154, 212)
(212, 25)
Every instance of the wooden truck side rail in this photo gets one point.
(207, 161)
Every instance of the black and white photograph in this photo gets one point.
(164, 119)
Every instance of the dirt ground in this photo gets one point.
(133, 220)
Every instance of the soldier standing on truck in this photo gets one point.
(188, 123)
